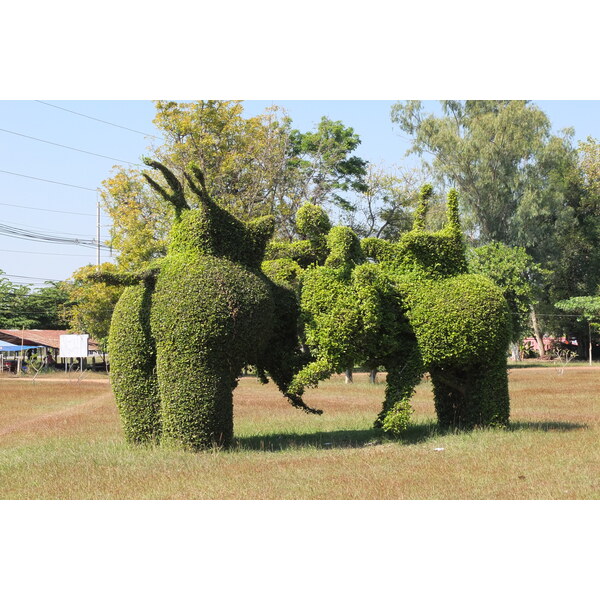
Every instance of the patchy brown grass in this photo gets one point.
(52, 407)
(63, 440)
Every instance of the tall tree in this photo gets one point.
(517, 275)
(384, 207)
(244, 159)
(253, 166)
(485, 148)
(521, 185)
(322, 167)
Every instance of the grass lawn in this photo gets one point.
(62, 440)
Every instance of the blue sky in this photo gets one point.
(50, 208)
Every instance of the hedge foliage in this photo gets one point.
(411, 307)
(225, 297)
(182, 333)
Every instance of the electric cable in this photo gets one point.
(100, 120)
(39, 229)
(64, 212)
(16, 232)
(69, 147)
(50, 181)
(52, 253)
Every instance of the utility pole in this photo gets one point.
(97, 230)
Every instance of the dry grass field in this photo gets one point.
(62, 439)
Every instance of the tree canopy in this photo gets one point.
(253, 166)
(521, 185)
(530, 198)
(22, 306)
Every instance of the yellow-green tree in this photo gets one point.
(140, 220)
(253, 166)
(91, 303)
(244, 159)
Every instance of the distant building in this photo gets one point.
(549, 343)
(47, 339)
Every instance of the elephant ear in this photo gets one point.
(259, 232)
(344, 247)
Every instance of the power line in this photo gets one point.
(101, 121)
(28, 277)
(47, 253)
(40, 229)
(16, 232)
(64, 212)
(68, 147)
(49, 181)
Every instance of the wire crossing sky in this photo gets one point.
(54, 156)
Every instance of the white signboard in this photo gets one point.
(74, 346)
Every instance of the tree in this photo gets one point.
(384, 207)
(91, 302)
(561, 230)
(140, 222)
(46, 306)
(252, 166)
(521, 185)
(244, 160)
(323, 167)
(590, 165)
(13, 299)
(487, 148)
(519, 278)
(589, 309)
(23, 307)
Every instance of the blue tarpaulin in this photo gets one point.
(7, 347)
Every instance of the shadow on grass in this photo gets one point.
(545, 426)
(417, 433)
(322, 439)
(547, 365)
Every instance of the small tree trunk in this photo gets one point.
(348, 375)
(590, 338)
(537, 333)
(515, 353)
(373, 376)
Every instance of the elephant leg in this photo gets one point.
(133, 366)
(472, 397)
(196, 399)
(400, 387)
(209, 317)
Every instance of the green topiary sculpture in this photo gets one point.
(181, 334)
(411, 307)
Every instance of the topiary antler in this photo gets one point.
(176, 197)
(201, 192)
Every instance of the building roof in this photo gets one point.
(39, 337)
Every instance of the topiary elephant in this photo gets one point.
(412, 307)
(182, 331)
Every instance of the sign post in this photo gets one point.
(74, 346)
